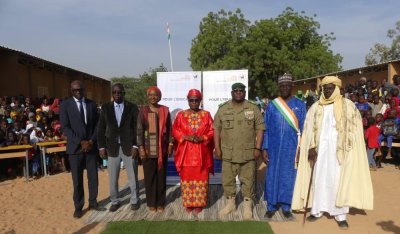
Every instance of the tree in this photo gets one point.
(381, 53)
(136, 88)
(268, 48)
(289, 43)
(217, 46)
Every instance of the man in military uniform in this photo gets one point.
(238, 133)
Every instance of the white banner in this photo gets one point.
(175, 86)
(217, 87)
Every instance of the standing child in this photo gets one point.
(33, 155)
(372, 135)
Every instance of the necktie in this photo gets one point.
(82, 113)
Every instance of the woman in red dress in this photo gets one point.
(193, 133)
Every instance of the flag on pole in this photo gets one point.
(169, 44)
(168, 32)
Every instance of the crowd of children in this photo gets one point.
(26, 122)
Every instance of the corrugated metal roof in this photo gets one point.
(52, 63)
(349, 70)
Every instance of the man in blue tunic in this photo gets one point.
(284, 119)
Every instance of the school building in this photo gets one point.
(21, 73)
(376, 72)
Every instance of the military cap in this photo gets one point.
(238, 86)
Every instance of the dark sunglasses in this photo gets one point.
(238, 90)
(194, 100)
(77, 90)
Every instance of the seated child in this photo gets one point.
(49, 135)
(389, 130)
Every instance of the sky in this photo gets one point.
(128, 37)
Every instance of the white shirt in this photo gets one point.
(84, 106)
(119, 109)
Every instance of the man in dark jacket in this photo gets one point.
(117, 139)
(78, 116)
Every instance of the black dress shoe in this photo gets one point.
(288, 214)
(135, 206)
(343, 224)
(269, 214)
(312, 218)
(78, 214)
(97, 208)
(114, 207)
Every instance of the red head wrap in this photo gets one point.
(154, 88)
(194, 93)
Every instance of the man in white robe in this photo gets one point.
(333, 141)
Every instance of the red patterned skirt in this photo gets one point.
(194, 186)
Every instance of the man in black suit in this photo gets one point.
(117, 138)
(78, 116)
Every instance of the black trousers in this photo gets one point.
(155, 182)
(78, 162)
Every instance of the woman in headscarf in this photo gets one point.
(155, 144)
(55, 107)
(193, 132)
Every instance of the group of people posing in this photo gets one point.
(315, 159)
(146, 136)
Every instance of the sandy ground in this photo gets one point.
(45, 206)
(385, 218)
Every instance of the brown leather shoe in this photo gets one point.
(160, 208)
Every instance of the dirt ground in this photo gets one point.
(385, 218)
(45, 206)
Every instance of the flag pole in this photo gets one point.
(169, 44)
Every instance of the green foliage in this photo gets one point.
(135, 88)
(268, 48)
(381, 53)
(218, 44)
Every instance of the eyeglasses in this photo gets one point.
(77, 90)
(194, 100)
(238, 90)
(118, 92)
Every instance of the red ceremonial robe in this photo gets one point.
(194, 161)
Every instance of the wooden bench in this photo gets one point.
(17, 151)
(394, 144)
(50, 147)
